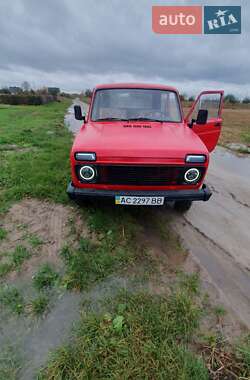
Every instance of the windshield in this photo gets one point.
(136, 104)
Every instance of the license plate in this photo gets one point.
(138, 201)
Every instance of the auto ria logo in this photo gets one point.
(222, 20)
(189, 19)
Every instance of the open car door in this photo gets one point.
(209, 103)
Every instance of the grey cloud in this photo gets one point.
(74, 43)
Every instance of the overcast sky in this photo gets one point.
(75, 44)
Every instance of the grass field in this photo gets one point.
(236, 123)
(147, 322)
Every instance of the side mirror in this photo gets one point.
(202, 117)
(78, 113)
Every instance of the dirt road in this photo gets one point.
(216, 233)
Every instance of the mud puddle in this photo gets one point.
(42, 228)
(57, 327)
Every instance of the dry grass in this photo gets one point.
(236, 126)
(226, 362)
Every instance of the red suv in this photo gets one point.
(136, 147)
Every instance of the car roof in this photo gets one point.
(135, 85)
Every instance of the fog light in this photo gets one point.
(87, 173)
(192, 175)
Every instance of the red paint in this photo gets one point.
(165, 143)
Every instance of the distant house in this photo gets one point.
(53, 91)
(15, 90)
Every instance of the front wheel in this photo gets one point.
(182, 206)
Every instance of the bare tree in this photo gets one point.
(88, 92)
(26, 86)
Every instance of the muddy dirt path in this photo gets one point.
(216, 233)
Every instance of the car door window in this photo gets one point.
(210, 102)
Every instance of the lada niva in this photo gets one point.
(136, 147)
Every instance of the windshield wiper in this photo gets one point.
(110, 119)
(145, 119)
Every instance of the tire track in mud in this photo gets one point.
(238, 201)
(231, 281)
(225, 273)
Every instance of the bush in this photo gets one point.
(25, 99)
(230, 98)
(88, 93)
(246, 100)
(4, 91)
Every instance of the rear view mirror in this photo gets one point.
(78, 113)
(202, 117)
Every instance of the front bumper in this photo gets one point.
(202, 194)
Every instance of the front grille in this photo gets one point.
(140, 175)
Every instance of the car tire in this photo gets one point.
(182, 206)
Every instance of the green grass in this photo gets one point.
(116, 248)
(14, 259)
(45, 277)
(219, 311)
(3, 233)
(90, 263)
(42, 170)
(243, 352)
(114, 225)
(189, 282)
(136, 337)
(10, 363)
(11, 298)
(19, 256)
(39, 305)
(142, 336)
(5, 268)
(34, 240)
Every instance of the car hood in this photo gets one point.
(138, 140)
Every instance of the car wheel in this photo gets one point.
(182, 206)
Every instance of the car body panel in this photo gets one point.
(143, 140)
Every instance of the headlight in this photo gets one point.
(192, 175)
(196, 158)
(87, 173)
(85, 156)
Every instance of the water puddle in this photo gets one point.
(235, 164)
(69, 119)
